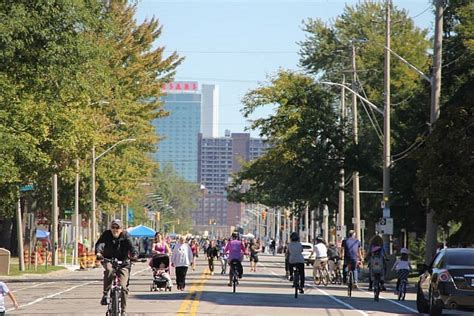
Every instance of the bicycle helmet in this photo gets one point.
(294, 236)
(404, 251)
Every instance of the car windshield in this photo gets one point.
(306, 247)
(461, 258)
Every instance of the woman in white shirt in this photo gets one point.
(181, 259)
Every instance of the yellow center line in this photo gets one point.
(192, 299)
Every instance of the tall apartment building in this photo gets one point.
(191, 111)
(218, 159)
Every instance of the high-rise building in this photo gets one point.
(210, 110)
(218, 159)
(191, 111)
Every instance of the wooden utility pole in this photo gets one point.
(431, 227)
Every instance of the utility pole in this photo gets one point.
(76, 216)
(431, 227)
(306, 222)
(355, 174)
(54, 222)
(19, 232)
(341, 208)
(94, 215)
(386, 119)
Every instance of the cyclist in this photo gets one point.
(236, 250)
(376, 257)
(352, 254)
(295, 257)
(334, 258)
(321, 254)
(116, 243)
(403, 267)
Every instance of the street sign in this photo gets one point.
(341, 231)
(68, 211)
(26, 188)
(386, 212)
(385, 226)
(382, 204)
(362, 224)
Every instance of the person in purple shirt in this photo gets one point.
(236, 250)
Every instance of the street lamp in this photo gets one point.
(94, 159)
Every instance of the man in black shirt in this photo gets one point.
(116, 243)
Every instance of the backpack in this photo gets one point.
(376, 263)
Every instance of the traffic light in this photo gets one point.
(264, 214)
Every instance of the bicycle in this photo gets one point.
(235, 275)
(335, 275)
(402, 289)
(115, 294)
(350, 279)
(321, 274)
(296, 280)
(376, 286)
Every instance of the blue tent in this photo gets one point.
(42, 233)
(141, 231)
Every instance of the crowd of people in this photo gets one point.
(184, 251)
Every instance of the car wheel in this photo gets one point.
(435, 310)
(421, 304)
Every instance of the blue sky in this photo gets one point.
(237, 43)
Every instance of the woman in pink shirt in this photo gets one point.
(236, 250)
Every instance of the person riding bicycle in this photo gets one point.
(352, 254)
(115, 243)
(295, 257)
(236, 250)
(321, 254)
(376, 263)
(403, 268)
(334, 258)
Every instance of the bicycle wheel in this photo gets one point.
(234, 279)
(376, 289)
(296, 281)
(349, 283)
(316, 276)
(325, 276)
(338, 276)
(115, 310)
(402, 290)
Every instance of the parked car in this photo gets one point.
(448, 283)
(307, 253)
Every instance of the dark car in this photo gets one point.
(448, 282)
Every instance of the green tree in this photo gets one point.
(326, 53)
(446, 175)
(307, 144)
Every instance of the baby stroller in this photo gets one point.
(159, 281)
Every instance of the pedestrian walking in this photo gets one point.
(211, 253)
(181, 259)
(4, 290)
(224, 256)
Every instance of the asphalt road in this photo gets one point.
(264, 292)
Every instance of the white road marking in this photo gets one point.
(341, 302)
(393, 302)
(332, 297)
(28, 287)
(64, 291)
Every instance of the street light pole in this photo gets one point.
(93, 197)
(355, 174)
(386, 116)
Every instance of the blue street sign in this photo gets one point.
(26, 188)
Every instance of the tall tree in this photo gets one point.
(446, 175)
(307, 144)
(326, 53)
